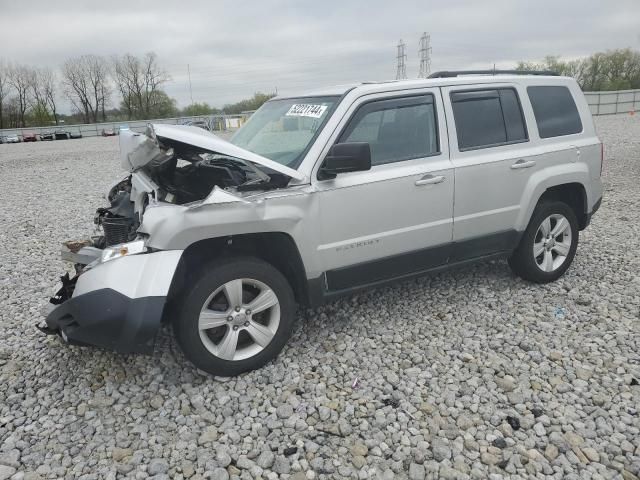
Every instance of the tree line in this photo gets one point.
(29, 96)
(611, 70)
(129, 87)
(99, 89)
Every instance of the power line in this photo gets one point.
(401, 57)
(190, 89)
(425, 55)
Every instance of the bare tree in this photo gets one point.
(12, 112)
(47, 80)
(126, 72)
(43, 95)
(76, 86)
(139, 81)
(86, 82)
(20, 78)
(4, 90)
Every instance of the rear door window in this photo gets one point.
(555, 111)
(488, 118)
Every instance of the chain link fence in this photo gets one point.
(211, 122)
(610, 103)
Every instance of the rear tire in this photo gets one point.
(548, 245)
(236, 316)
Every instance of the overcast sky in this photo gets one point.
(237, 48)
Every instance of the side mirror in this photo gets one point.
(345, 157)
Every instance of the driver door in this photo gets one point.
(395, 219)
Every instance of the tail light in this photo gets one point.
(601, 157)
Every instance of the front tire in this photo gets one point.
(548, 245)
(236, 316)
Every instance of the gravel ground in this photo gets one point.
(468, 374)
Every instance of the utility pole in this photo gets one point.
(401, 72)
(190, 89)
(425, 55)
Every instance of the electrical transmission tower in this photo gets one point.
(401, 72)
(425, 55)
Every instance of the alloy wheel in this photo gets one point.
(552, 243)
(239, 319)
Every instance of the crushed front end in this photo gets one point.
(116, 298)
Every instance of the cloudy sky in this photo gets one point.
(237, 48)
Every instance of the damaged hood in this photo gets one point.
(137, 149)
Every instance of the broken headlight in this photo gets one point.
(122, 250)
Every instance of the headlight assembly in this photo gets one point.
(122, 250)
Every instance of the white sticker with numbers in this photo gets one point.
(306, 110)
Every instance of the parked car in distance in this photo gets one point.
(29, 137)
(47, 136)
(75, 134)
(13, 138)
(326, 194)
(61, 135)
(109, 132)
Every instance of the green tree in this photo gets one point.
(157, 105)
(249, 104)
(39, 115)
(196, 109)
(610, 70)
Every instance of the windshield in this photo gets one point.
(283, 130)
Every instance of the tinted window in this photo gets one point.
(512, 112)
(556, 112)
(488, 118)
(396, 130)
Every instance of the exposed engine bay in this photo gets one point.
(183, 173)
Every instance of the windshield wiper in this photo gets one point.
(275, 180)
(259, 173)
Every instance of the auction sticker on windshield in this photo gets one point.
(306, 110)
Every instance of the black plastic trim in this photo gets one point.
(589, 215)
(390, 267)
(346, 280)
(476, 247)
(108, 319)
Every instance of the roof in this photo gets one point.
(373, 87)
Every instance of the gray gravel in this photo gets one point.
(469, 374)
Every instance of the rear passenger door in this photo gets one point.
(490, 151)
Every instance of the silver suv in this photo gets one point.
(324, 194)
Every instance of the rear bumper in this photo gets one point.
(595, 208)
(108, 319)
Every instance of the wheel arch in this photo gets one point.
(573, 194)
(277, 248)
(565, 183)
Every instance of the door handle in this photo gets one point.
(522, 163)
(429, 179)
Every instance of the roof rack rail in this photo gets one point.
(456, 73)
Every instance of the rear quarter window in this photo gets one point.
(555, 111)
